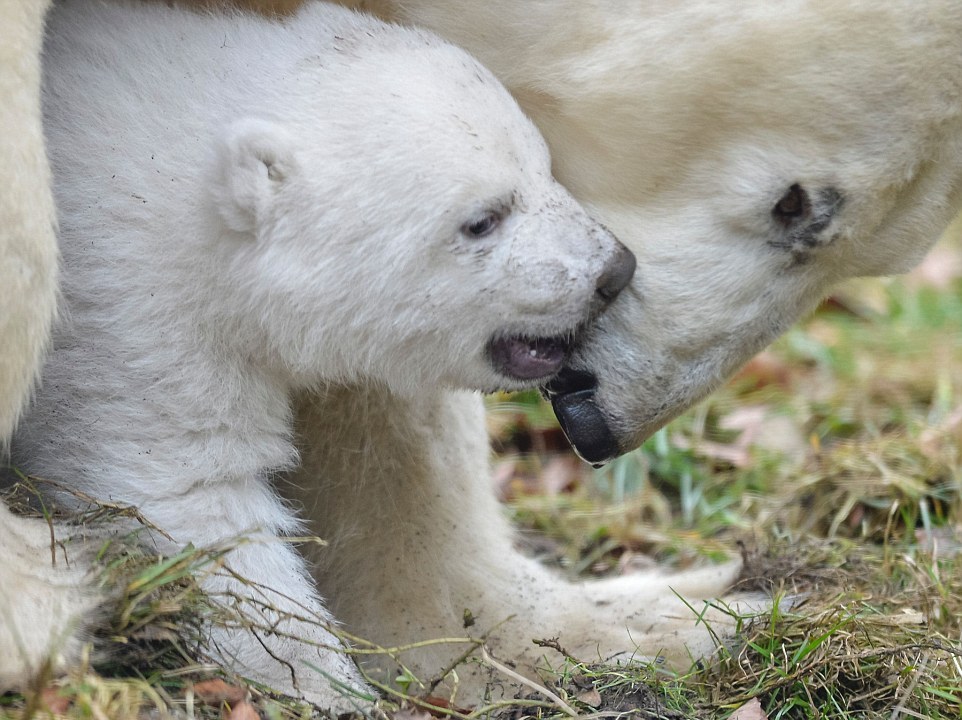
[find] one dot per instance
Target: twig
(518, 677)
(553, 644)
(436, 680)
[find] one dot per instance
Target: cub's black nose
(616, 274)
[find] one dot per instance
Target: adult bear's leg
(401, 490)
(28, 244)
(46, 599)
(40, 602)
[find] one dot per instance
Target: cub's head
(393, 217)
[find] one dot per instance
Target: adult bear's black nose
(572, 396)
(616, 273)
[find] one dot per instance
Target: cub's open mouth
(525, 358)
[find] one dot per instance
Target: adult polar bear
(686, 128)
(751, 154)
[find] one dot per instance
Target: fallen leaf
(243, 711)
(591, 698)
(441, 702)
(764, 370)
(758, 428)
(856, 517)
(217, 692)
(54, 701)
(752, 710)
(561, 473)
(736, 454)
(908, 616)
(548, 439)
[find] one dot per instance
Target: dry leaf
(243, 711)
(762, 428)
(502, 476)
(446, 704)
(561, 473)
(757, 427)
(752, 710)
(216, 692)
(590, 697)
(54, 701)
(908, 616)
(764, 370)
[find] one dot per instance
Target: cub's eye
(793, 206)
(483, 225)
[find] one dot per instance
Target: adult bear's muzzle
(572, 396)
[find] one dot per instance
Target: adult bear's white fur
(253, 212)
(39, 601)
(682, 125)
(28, 248)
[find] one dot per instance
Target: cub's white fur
(336, 211)
(682, 125)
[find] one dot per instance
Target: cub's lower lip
(524, 358)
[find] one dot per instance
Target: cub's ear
(256, 158)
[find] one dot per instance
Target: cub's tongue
(527, 358)
(572, 395)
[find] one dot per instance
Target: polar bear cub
(253, 209)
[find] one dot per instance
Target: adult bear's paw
(671, 619)
(47, 599)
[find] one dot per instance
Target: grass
(832, 463)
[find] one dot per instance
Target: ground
(832, 463)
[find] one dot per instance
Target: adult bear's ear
(256, 158)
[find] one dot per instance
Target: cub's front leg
(277, 630)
